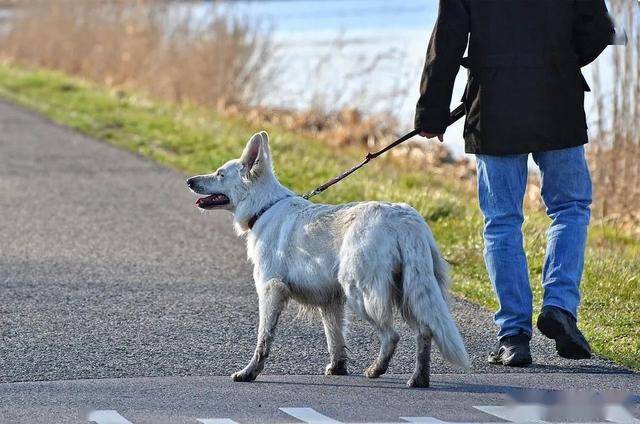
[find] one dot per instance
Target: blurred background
(345, 70)
(185, 82)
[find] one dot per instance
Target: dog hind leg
(333, 321)
(366, 272)
(420, 377)
(381, 316)
(272, 300)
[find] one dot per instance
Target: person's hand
(431, 135)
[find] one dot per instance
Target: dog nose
(190, 183)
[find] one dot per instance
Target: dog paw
(374, 371)
(336, 369)
(243, 376)
(418, 381)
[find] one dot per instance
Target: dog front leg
(272, 299)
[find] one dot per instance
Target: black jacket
(525, 91)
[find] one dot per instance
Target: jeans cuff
(564, 308)
(514, 332)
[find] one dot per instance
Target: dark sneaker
(560, 326)
(512, 351)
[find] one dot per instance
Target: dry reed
(162, 48)
(615, 151)
(171, 52)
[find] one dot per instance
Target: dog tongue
(204, 200)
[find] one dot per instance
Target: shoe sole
(567, 346)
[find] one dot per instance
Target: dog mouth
(212, 201)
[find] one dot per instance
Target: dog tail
(425, 289)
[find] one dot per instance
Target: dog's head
(232, 182)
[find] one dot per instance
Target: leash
(455, 115)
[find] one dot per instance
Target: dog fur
(376, 257)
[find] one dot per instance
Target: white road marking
(619, 414)
(107, 417)
(309, 416)
(525, 413)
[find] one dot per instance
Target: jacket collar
(254, 218)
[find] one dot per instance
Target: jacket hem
(474, 149)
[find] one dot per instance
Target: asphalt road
(452, 398)
(107, 271)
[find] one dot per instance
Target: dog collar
(254, 218)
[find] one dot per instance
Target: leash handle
(455, 114)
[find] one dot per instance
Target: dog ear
(265, 150)
(256, 156)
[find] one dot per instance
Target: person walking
(524, 95)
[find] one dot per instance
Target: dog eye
(219, 174)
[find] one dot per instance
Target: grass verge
(197, 140)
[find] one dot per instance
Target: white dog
(374, 256)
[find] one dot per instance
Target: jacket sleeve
(447, 45)
(593, 29)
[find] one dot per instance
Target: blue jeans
(566, 191)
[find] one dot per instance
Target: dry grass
(212, 60)
(172, 53)
(163, 49)
(338, 128)
(615, 151)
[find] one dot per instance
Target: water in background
(365, 54)
(336, 53)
